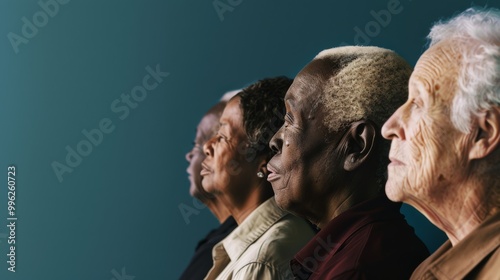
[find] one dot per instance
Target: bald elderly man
(445, 153)
(330, 166)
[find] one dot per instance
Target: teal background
(120, 207)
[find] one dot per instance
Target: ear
(488, 134)
(361, 141)
(262, 167)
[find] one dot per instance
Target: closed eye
(219, 137)
(414, 104)
(199, 148)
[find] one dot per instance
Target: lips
(395, 162)
(273, 174)
(205, 170)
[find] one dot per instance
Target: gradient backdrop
(64, 68)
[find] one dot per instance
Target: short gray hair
(366, 83)
(478, 83)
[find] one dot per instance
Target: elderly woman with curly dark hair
(267, 237)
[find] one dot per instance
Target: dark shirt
(372, 240)
(202, 260)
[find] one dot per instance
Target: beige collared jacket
(261, 247)
(477, 256)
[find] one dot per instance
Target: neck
(218, 209)
(240, 209)
(339, 203)
(460, 212)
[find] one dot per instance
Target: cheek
(293, 192)
(292, 153)
(229, 163)
(423, 149)
(302, 165)
(434, 157)
(220, 162)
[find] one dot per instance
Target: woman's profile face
(225, 168)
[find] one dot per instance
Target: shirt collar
(252, 228)
(223, 230)
(458, 261)
(330, 238)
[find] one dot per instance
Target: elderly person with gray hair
(201, 262)
(330, 166)
(445, 153)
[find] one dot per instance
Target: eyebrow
(421, 87)
(418, 86)
(227, 133)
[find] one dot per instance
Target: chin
(193, 191)
(281, 200)
(206, 184)
(392, 190)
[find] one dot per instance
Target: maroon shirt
(372, 240)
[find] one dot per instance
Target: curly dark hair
(263, 109)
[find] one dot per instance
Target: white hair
(228, 95)
(478, 84)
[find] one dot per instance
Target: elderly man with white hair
(330, 166)
(445, 153)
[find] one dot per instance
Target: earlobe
(488, 135)
(361, 140)
(263, 167)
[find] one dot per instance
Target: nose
(276, 142)
(393, 127)
(208, 147)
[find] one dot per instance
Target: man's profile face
(304, 168)
(428, 154)
(205, 130)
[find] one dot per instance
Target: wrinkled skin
(429, 156)
(225, 169)
(205, 130)
(308, 166)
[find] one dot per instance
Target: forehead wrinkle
(440, 67)
(309, 85)
(425, 73)
(305, 82)
(314, 106)
(223, 126)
